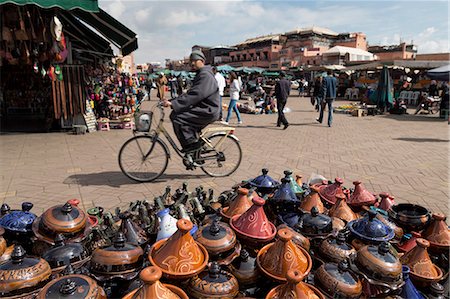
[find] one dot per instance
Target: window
(314, 62)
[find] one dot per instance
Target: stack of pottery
(264, 184)
(438, 234)
(18, 225)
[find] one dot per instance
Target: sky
(168, 29)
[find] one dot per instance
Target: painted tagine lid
(238, 206)
(422, 268)
(312, 200)
(297, 237)
(179, 257)
(264, 181)
(386, 201)
(438, 233)
(213, 283)
(336, 250)
(314, 224)
(284, 195)
(72, 286)
(329, 192)
(153, 288)
(275, 259)
(121, 259)
(253, 224)
(217, 237)
(61, 254)
(22, 275)
(341, 210)
(295, 288)
(133, 233)
(17, 221)
(371, 229)
(295, 186)
(361, 196)
(337, 280)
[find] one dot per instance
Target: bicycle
(145, 156)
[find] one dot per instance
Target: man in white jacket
(221, 83)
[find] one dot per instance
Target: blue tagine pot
(264, 183)
(409, 291)
(18, 225)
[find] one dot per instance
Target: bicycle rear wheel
(224, 158)
(143, 158)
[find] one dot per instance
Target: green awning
(87, 5)
(117, 33)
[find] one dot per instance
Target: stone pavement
(405, 155)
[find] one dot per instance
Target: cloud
(115, 8)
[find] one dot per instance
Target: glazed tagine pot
(252, 227)
(337, 281)
(409, 290)
(264, 183)
(423, 271)
(70, 221)
(312, 200)
(23, 276)
(314, 225)
(295, 288)
(328, 192)
(295, 184)
(167, 224)
(213, 283)
(238, 206)
(153, 288)
(245, 270)
(62, 254)
(121, 260)
(284, 199)
(370, 230)
(74, 286)
(410, 217)
(438, 234)
(133, 233)
(220, 241)
(275, 259)
(341, 210)
(336, 250)
(378, 265)
(179, 257)
(18, 224)
(297, 237)
(361, 196)
(383, 217)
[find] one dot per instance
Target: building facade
(401, 51)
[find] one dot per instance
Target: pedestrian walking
(180, 84)
(161, 83)
(173, 84)
(235, 88)
(282, 90)
(318, 93)
(329, 85)
(221, 83)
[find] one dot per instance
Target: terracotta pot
(423, 271)
(410, 217)
(438, 233)
(253, 226)
(295, 288)
(72, 286)
(275, 259)
(338, 224)
(153, 288)
(297, 238)
(361, 197)
(213, 283)
(179, 257)
(336, 250)
(341, 210)
(238, 206)
(329, 192)
(2, 241)
(336, 280)
(312, 200)
(386, 202)
(244, 268)
(23, 276)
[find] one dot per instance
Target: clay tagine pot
(314, 224)
(336, 250)
(18, 224)
(423, 271)
(370, 230)
(284, 199)
(410, 217)
(275, 259)
(22, 276)
(219, 240)
(245, 270)
(179, 257)
(295, 288)
(153, 288)
(438, 234)
(253, 227)
(264, 183)
(213, 283)
(295, 186)
(329, 192)
(361, 197)
(61, 254)
(297, 238)
(238, 206)
(341, 210)
(2, 241)
(312, 200)
(133, 233)
(386, 202)
(337, 281)
(120, 260)
(72, 286)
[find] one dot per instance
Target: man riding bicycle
(197, 108)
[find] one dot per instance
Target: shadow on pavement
(412, 117)
(421, 139)
(117, 179)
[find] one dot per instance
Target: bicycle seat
(214, 129)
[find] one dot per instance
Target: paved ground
(405, 155)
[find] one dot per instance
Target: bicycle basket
(143, 121)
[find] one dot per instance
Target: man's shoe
(224, 123)
(240, 122)
(318, 120)
(286, 126)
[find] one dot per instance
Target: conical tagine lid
(418, 260)
(361, 197)
(438, 233)
(312, 200)
(239, 205)
(295, 288)
(341, 210)
(329, 192)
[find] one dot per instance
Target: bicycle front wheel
(143, 158)
(223, 158)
